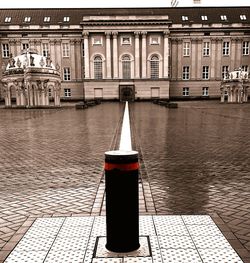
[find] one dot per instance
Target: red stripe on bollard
(121, 167)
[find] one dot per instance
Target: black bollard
(122, 200)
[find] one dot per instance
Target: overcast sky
(113, 3)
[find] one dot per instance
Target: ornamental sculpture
(234, 86)
(28, 81)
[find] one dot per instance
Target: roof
(76, 14)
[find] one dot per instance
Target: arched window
(98, 67)
(126, 67)
(154, 67)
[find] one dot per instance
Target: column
(144, 54)
(180, 55)
(218, 59)
(52, 52)
(72, 59)
(108, 55)
(233, 54)
(137, 55)
(213, 58)
(78, 60)
(18, 46)
(58, 52)
(193, 58)
(198, 68)
(166, 55)
(86, 54)
(115, 55)
(174, 61)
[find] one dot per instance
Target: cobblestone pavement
(194, 159)
(197, 160)
(51, 161)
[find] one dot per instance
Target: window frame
(27, 19)
(186, 72)
(65, 50)
(243, 17)
(67, 92)
(184, 18)
(123, 43)
(46, 19)
(45, 51)
(25, 46)
(245, 48)
(98, 67)
(186, 49)
(185, 92)
(205, 72)
(206, 49)
(205, 91)
(5, 50)
(66, 18)
(226, 48)
(66, 74)
(154, 67)
(7, 19)
(223, 18)
(204, 18)
(224, 70)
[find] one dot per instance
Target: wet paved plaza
(196, 161)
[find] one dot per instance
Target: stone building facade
(135, 53)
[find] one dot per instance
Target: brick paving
(197, 161)
(45, 154)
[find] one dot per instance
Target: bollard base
(119, 250)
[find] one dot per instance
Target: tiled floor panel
(172, 239)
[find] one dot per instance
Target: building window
(223, 17)
(5, 50)
(67, 92)
(46, 19)
(184, 18)
(154, 67)
(66, 19)
(45, 47)
(204, 18)
(97, 40)
(154, 40)
(25, 46)
(65, 49)
(66, 74)
(7, 19)
(205, 72)
(126, 67)
(186, 49)
(225, 50)
(243, 17)
(83, 50)
(244, 68)
(50, 92)
(98, 67)
(245, 48)
(27, 19)
(205, 91)
(185, 72)
(225, 71)
(185, 91)
(206, 49)
(126, 40)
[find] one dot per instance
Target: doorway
(127, 92)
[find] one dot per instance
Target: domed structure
(30, 79)
(234, 86)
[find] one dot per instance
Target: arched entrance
(127, 92)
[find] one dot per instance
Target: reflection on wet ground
(197, 158)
